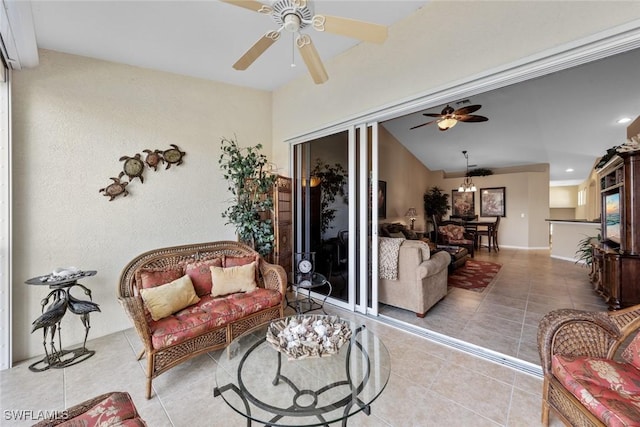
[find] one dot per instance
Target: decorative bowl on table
(300, 337)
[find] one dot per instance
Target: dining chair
(492, 235)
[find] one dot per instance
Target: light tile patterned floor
(430, 384)
(505, 316)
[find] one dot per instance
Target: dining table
(489, 226)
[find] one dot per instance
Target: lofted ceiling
(567, 119)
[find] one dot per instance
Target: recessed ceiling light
(623, 120)
(569, 170)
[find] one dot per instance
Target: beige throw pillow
(164, 300)
(229, 280)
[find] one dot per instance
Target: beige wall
(73, 118)
(524, 225)
(563, 196)
(407, 180)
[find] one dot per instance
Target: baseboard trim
(475, 350)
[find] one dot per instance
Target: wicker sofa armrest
(571, 332)
(134, 307)
(274, 277)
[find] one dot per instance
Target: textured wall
(73, 118)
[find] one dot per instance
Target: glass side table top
(263, 385)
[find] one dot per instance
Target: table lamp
(411, 214)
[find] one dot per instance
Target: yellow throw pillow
(164, 300)
(241, 278)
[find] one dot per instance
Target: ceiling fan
(449, 117)
(295, 15)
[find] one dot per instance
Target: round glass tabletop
(265, 386)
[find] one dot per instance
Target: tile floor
(505, 316)
(430, 385)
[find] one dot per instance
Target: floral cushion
(608, 389)
(133, 422)
(201, 275)
(152, 277)
(208, 314)
(632, 353)
(452, 231)
(112, 411)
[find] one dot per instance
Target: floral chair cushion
(201, 275)
(115, 410)
(208, 314)
(632, 353)
(609, 389)
(452, 231)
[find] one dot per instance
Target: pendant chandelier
(467, 185)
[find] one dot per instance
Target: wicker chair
(122, 398)
(579, 333)
(160, 360)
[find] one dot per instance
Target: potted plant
(584, 252)
(332, 181)
(251, 186)
(436, 203)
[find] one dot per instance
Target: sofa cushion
(608, 389)
(632, 353)
(208, 314)
(112, 411)
(164, 300)
(151, 277)
(201, 274)
(241, 278)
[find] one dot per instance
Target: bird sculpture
(50, 321)
(83, 309)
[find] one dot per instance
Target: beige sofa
(422, 279)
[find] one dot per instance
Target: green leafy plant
(436, 202)
(480, 172)
(332, 181)
(584, 252)
(251, 186)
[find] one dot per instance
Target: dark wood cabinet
(616, 260)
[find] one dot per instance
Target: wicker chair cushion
(229, 280)
(632, 353)
(208, 314)
(452, 231)
(608, 389)
(201, 275)
(116, 408)
(151, 277)
(133, 422)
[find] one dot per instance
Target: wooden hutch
(616, 259)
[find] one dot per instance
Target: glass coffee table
(268, 388)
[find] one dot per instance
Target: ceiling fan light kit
(293, 16)
(449, 117)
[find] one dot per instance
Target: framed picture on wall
(463, 204)
(493, 201)
(382, 199)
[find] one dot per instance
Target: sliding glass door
(334, 178)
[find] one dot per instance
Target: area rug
(474, 275)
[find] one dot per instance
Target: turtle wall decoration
(134, 167)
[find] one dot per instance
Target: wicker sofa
(421, 278)
(211, 323)
(591, 366)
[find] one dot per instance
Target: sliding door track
(475, 350)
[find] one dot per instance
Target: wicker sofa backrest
(178, 256)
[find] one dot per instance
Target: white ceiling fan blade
(256, 6)
(256, 50)
(312, 59)
(350, 28)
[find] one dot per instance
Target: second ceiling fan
(295, 15)
(449, 117)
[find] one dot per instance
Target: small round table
(57, 302)
(317, 281)
(260, 383)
